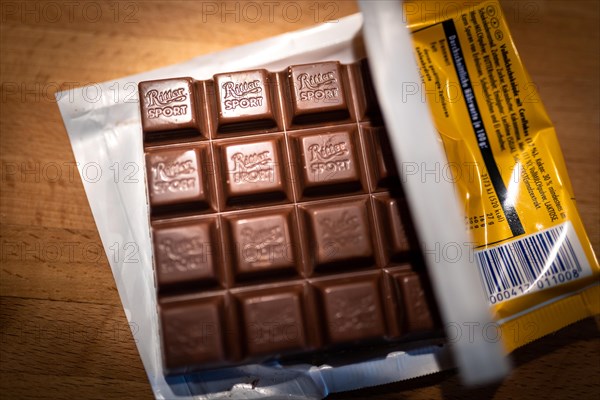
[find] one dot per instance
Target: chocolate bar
(278, 223)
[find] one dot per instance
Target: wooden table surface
(63, 330)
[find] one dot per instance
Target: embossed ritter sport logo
(329, 157)
(160, 103)
(175, 176)
(343, 230)
(316, 87)
(252, 167)
(238, 94)
(353, 314)
(184, 254)
(263, 246)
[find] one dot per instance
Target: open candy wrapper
(522, 249)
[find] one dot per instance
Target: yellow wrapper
(536, 262)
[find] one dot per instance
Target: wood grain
(63, 333)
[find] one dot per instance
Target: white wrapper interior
(435, 208)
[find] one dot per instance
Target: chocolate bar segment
(169, 108)
(176, 178)
(352, 309)
(397, 238)
(273, 320)
(417, 315)
(192, 333)
(327, 161)
(364, 97)
(186, 254)
(318, 92)
(252, 170)
(264, 243)
(244, 100)
(379, 151)
(341, 234)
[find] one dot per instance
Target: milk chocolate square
(244, 100)
(416, 315)
(273, 322)
(192, 333)
(264, 243)
(352, 310)
(327, 161)
(169, 107)
(186, 253)
(175, 178)
(396, 235)
(317, 91)
(379, 152)
(341, 233)
(252, 170)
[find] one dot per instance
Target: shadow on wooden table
(540, 363)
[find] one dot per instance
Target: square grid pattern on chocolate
(277, 217)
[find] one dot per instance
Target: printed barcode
(536, 262)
